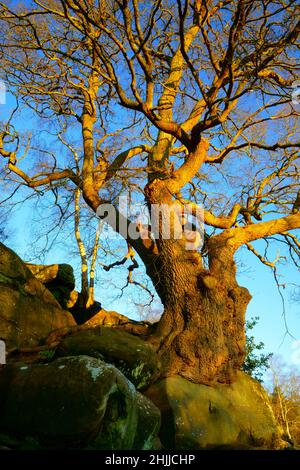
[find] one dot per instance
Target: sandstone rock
(134, 357)
(224, 416)
(111, 318)
(148, 424)
(28, 311)
(58, 278)
(73, 402)
(107, 318)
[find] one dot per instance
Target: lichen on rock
(135, 358)
(195, 416)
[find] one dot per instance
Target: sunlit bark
(200, 83)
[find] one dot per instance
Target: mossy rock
(58, 278)
(236, 416)
(28, 311)
(149, 421)
(134, 357)
(73, 402)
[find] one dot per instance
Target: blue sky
(266, 302)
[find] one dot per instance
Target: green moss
(135, 358)
(68, 403)
(8, 441)
(30, 443)
(47, 354)
(223, 416)
(13, 282)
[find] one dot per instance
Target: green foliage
(47, 354)
(255, 364)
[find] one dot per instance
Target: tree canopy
(186, 102)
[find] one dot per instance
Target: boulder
(28, 311)
(58, 278)
(134, 357)
(107, 318)
(236, 416)
(73, 402)
(149, 421)
(111, 318)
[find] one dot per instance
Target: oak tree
(196, 96)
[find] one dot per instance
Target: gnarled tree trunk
(201, 335)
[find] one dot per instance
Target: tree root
(108, 319)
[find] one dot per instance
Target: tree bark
(201, 335)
